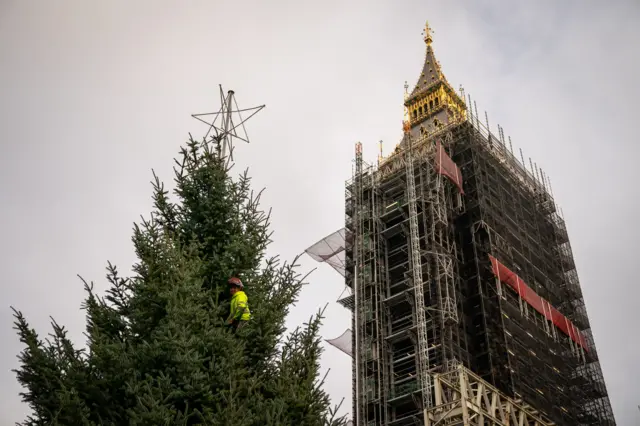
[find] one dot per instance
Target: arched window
(431, 104)
(437, 102)
(420, 110)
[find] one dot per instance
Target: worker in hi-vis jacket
(239, 312)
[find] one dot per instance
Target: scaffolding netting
(536, 302)
(343, 342)
(331, 249)
(447, 167)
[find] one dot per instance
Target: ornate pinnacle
(427, 34)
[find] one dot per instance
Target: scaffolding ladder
(359, 354)
(378, 272)
(416, 263)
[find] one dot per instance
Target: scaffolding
(358, 282)
(532, 333)
(400, 261)
(523, 330)
(416, 265)
(464, 399)
(365, 273)
(459, 261)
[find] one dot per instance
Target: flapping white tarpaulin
(331, 250)
(343, 342)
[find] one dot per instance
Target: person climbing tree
(239, 312)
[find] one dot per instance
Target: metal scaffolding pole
(423, 344)
(358, 283)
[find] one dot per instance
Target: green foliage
(157, 349)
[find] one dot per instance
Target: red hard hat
(235, 281)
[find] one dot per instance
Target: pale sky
(95, 94)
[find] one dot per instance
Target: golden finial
(406, 117)
(427, 33)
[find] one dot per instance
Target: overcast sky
(94, 95)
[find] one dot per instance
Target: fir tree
(157, 350)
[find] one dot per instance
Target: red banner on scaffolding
(538, 303)
(447, 167)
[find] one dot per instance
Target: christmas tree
(158, 351)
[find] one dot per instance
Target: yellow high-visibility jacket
(239, 307)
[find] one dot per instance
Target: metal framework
(470, 315)
(457, 256)
(464, 399)
(416, 264)
(370, 377)
(358, 279)
(511, 215)
(406, 290)
(224, 124)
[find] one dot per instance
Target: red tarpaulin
(447, 167)
(538, 303)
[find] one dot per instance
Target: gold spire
(427, 34)
(432, 102)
